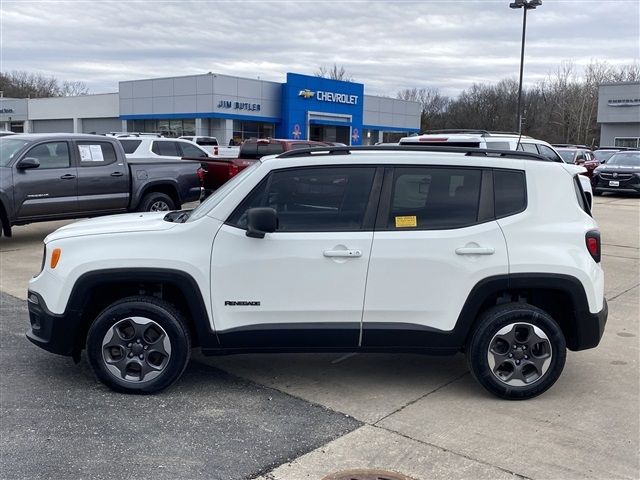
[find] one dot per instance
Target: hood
(619, 168)
(128, 222)
(573, 169)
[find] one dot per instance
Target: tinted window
(529, 147)
(269, 149)
(312, 199)
(567, 155)
(96, 153)
(191, 151)
(510, 192)
(629, 159)
(549, 153)
(166, 149)
(208, 141)
(434, 198)
(499, 145)
(130, 146)
(51, 155)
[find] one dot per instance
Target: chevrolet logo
(306, 93)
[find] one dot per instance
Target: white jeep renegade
(374, 249)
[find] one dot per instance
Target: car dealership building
(619, 114)
(304, 107)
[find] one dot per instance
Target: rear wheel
(157, 202)
(139, 345)
(517, 351)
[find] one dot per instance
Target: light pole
(525, 5)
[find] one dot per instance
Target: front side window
(191, 151)
(312, 199)
(434, 198)
(166, 149)
(549, 153)
(51, 155)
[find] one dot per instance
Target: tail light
(216, 151)
(594, 247)
(201, 174)
(233, 170)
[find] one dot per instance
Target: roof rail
(457, 130)
(468, 151)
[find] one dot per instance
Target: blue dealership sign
(314, 100)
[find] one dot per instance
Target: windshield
(567, 155)
(626, 159)
(603, 155)
(215, 198)
(8, 149)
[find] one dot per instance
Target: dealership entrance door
(330, 133)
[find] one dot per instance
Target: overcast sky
(387, 45)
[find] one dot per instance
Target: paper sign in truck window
(406, 221)
(91, 153)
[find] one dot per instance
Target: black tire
(155, 371)
(541, 371)
(156, 202)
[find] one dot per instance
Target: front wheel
(157, 202)
(517, 351)
(139, 345)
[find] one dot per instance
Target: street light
(525, 5)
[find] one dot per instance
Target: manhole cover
(366, 475)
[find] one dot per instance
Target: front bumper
(590, 328)
(54, 333)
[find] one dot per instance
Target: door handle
(117, 174)
(475, 251)
(342, 253)
(67, 176)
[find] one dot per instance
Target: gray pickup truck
(58, 176)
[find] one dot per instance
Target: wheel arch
(167, 187)
(95, 290)
(561, 296)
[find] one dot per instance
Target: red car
(215, 172)
(579, 156)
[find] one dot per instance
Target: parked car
(579, 156)
(5, 133)
(602, 154)
(213, 175)
(210, 144)
(160, 147)
(56, 176)
(390, 249)
(493, 140)
(621, 173)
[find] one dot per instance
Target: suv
(579, 156)
(169, 148)
(367, 249)
(621, 173)
(493, 140)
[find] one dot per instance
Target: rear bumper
(54, 333)
(590, 328)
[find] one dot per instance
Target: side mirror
(27, 163)
(260, 221)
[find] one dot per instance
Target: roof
(57, 136)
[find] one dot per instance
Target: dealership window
(627, 142)
(243, 130)
(393, 137)
(370, 137)
(166, 127)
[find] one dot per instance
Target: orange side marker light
(55, 257)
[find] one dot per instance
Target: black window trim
(486, 200)
(73, 161)
(371, 210)
(526, 192)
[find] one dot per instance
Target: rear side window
(130, 146)
(434, 198)
(498, 145)
(93, 154)
(510, 192)
(549, 153)
(580, 195)
(528, 147)
(166, 149)
(191, 151)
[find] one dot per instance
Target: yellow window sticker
(407, 221)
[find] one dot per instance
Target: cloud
(387, 45)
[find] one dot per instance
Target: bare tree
(334, 72)
(21, 84)
(433, 104)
